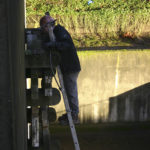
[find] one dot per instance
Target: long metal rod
(71, 124)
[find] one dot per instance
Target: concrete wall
(12, 76)
(133, 105)
(109, 81)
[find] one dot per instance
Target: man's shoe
(63, 120)
(63, 117)
(75, 119)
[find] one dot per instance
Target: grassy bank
(102, 22)
(127, 136)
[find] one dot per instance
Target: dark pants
(70, 83)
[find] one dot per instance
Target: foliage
(100, 20)
(63, 7)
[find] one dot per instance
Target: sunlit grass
(95, 52)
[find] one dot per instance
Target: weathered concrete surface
(133, 105)
(106, 74)
(12, 83)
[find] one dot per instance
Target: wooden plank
(51, 114)
(43, 100)
(35, 127)
(45, 126)
(48, 85)
(34, 85)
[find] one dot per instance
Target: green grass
(95, 52)
(101, 127)
(95, 41)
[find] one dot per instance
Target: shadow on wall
(133, 105)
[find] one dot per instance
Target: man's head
(47, 22)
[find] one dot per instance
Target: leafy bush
(102, 19)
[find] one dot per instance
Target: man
(57, 37)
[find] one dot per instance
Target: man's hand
(49, 45)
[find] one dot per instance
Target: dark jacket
(64, 44)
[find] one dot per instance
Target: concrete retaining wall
(113, 86)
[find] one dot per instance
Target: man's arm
(62, 45)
